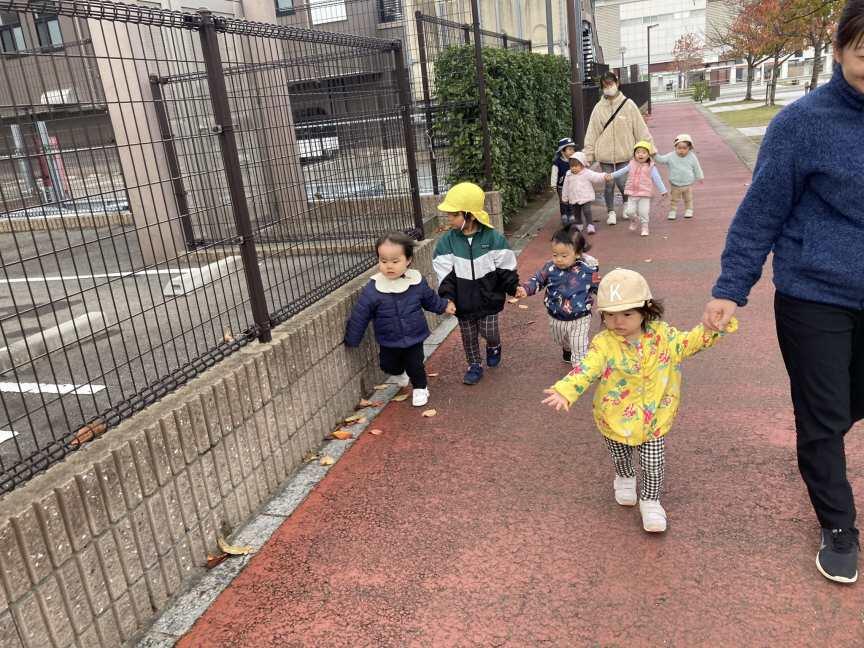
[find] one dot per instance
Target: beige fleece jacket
(615, 144)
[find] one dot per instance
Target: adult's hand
(717, 314)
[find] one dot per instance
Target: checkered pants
(571, 335)
(472, 330)
(652, 459)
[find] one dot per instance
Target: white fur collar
(410, 278)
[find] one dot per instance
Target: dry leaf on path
(400, 397)
(212, 561)
(523, 306)
(327, 460)
(384, 386)
(342, 435)
(648, 260)
(434, 374)
(354, 418)
(429, 413)
(531, 322)
(367, 403)
(232, 550)
(376, 432)
(310, 456)
(513, 300)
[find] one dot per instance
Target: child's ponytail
(570, 235)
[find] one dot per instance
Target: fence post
(504, 40)
(466, 29)
(427, 99)
(410, 144)
(224, 128)
(173, 161)
(481, 91)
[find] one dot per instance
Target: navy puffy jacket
(397, 317)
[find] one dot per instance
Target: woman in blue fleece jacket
(806, 204)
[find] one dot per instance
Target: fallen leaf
(310, 456)
(647, 260)
(376, 432)
(384, 386)
(342, 435)
(227, 336)
(429, 413)
(327, 460)
(212, 561)
(232, 550)
(513, 300)
(368, 403)
(523, 306)
(434, 374)
(400, 397)
(88, 433)
(355, 418)
(532, 321)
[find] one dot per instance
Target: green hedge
(529, 111)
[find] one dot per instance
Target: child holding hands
(578, 193)
(636, 359)
(684, 171)
(641, 174)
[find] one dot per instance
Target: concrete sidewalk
(494, 524)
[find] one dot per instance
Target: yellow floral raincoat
(640, 383)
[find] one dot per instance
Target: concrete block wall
(94, 547)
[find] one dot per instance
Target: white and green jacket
(475, 272)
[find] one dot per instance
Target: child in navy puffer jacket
(394, 300)
(571, 279)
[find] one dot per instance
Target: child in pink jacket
(578, 193)
(642, 177)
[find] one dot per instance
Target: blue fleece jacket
(805, 204)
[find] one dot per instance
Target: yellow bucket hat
(644, 144)
(467, 197)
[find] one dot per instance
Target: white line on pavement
(49, 388)
(5, 435)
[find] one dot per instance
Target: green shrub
(529, 111)
(701, 91)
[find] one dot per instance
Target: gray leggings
(609, 194)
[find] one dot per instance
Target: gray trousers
(609, 194)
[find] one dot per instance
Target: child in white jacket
(578, 193)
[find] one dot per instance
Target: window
(284, 7)
(48, 30)
(11, 34)
(327, 11)
(389, 11)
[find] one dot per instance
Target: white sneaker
(625, 491)
(653, 516)
(645, 231)
(688, 213)
(613, 218)
(673, 215)
(402, 379)
(419, 397)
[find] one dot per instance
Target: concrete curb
(740, 144)
(189, 606)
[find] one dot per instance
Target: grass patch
(755, 102)
(747, 118)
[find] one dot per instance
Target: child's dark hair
(569, 235)
(397, 238)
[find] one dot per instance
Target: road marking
(107, 275)
(49, 388)
(5, 435)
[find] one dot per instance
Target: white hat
(580, 157)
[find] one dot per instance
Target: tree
(740, 40)
(687, 54)
(817, 20)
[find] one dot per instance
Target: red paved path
(494, 523)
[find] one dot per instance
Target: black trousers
(823, 349)
(395, 361)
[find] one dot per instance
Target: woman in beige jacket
(616, 125)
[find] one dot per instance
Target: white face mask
(611, 91)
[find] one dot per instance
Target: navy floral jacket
(569, 293)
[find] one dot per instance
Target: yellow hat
(644, 144)
(466, 197)
(622, 290)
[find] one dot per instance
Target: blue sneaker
(493, 356)
(473, 375)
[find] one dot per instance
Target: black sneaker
(567, 356)
(837, 559)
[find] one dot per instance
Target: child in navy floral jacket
(570, 279)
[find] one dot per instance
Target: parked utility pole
(650, 27)
(481, 91)
(550, 36)
(575, 41)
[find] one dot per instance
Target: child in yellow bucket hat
(476, 270)
(636, 361)
(642, 176)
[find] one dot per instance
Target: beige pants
(681, 193)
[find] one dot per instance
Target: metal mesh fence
(167, 194)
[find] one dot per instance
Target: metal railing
(207, 179)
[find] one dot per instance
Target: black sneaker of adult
(837, 559)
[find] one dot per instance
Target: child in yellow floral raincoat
(637, 361)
